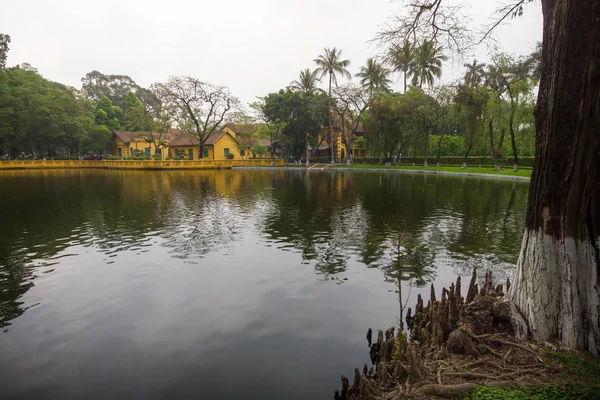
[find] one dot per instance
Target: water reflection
(329, 218)
(160, 264)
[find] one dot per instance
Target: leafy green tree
(472, 103)
(258, 150)
(393, 125)
(4, 41)
(105, 113)
(40, 117)
(299, 117)
(402, 57)
(374, 76)
(307, 81)
(331, 63)
(135, 119)
(266, 108)
(474, 74)
(427, 65)
(97, 140)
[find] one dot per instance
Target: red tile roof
(242, 129)
(189, 140)
(128, 137)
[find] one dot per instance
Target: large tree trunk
(426, 147)
(439, 152)
(512, 139)
(557, 282)
(492, 147)
(467, 154)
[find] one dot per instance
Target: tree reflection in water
(334, 220)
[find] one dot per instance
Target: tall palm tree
(330, 62)
(475, 73)
(427, 66)
(401, 57)
(307, 81)
(374, 76)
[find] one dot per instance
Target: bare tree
(442, 22)
(200, 107)
(350, 103)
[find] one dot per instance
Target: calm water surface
(225, 284)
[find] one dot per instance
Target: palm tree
(374, 76)
(402, 58)
(307, 81)
(427, 64)
(330, 62)
(475, 73)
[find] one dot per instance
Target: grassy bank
(578, 377)
(455, 169)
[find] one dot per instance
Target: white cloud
(254, 47)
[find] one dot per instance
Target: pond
(226, 284)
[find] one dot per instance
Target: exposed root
(453, 391)
(453, 346)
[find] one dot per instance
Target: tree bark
(512, 139)
(426, 147)
(439, 149)
(557, 282)
(467, 154)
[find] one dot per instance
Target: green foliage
(258, 149)
(374, 76)
(134, 118)
(546, 392)
(40, 117)
(395, 122)
(4, 41)
(98, 140)
(300, 115)
(583, 365)
(307, 82)
(105, 113)
(426, 66)
(361, 143)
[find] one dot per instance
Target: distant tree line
(488, 113)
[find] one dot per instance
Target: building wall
(216, 152)
(226, 142)
(142, 145)
(119, 144)
(230, 131)
(185, 150)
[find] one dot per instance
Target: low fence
(487, 161)
(132, 164)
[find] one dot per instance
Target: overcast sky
(252, 46)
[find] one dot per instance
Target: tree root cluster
(454, 345)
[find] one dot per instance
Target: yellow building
(219, 146)
(242, 130)
(142, 144)
(247, 135)
(324, 149)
